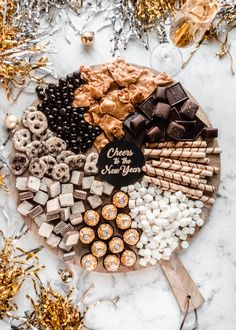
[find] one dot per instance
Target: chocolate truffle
(109, 212)
(175, 131)
(105, 231)
(128, 258)
(86, 235)
(89, 262)
(116, 245)
(91, 217)
(160, 93)
(99, 249)
(123, 221)
(189, 109)
(138, 124)
(112, 263)
(162, 111)
(131, 236)
(120, 199)
(209, 133)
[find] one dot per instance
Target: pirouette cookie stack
(82, 203)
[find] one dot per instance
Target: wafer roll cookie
(156, 153)
(177, 177)
(174, 187)
(196, 160)
(174, 181)
(212, 169)
(186, 144)
(180, 168)
(206, 150)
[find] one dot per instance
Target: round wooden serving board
(81, 249)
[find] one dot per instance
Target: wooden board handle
(181, 283)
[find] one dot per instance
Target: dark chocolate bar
(162, 110)
(189, 109)
(189, 126)
(176, 94)
(148, 107)
(175, 130)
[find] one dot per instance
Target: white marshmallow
(142, 191)
(137, 186)
(183, 237)
(148, 198)
(131, 204)
(130, 188)
(142, 262)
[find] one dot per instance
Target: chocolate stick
(156, 153)
(194, 166)
(206, 150)
(186, 144)
(180, 178)
(172, 187)
(180, 168)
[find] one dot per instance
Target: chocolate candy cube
(148, 107)
(209, 133)
(176, 94)
(138, 124)
(138, 140)
(175, 130)
(174, 115)
(162, 110)
(127, 121)
(189, 126)
(154, 134)
(160, 94)
(199, 127)
(189, 109)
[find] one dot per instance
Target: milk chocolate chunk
(176, 94)
(138, 124)
(209, 133)
(189, 126)
(162, 110)
(189, 109)
(175, 130)
(148, 107)
(154, 134)
(160, 94)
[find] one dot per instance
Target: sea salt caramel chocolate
(138, 124)
(189, 109)
(154, 134)
(209, 133)
(162, 111)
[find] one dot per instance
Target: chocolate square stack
(168, 114)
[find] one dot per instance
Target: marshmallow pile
(166, 220)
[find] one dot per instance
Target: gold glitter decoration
(149, 11)
(3, 184)
(52, 311)
(14, 269)
(16, 64)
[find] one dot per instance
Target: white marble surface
(146, 301)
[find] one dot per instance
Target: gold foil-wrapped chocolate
(128, 258)
(99, 249)
(123, 221)
(111, 263)
(89, 262)
(120, 199)
(86, 235)
(109, 212)
(91, 217)
(105, 231)
(131, 236)
(116, 245)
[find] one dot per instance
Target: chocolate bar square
(189, 109)
(189, 126)
(162, 110)
(160, 94)
(138, 140)
(175, 130)
(176, 94)
(209, 133)
(199, 127)
(148, 107)
(138, 124)
(174, 115)
(155, 134)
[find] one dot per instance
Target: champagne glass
(188, 27)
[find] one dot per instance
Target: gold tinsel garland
(14, 269)
(16, 50)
